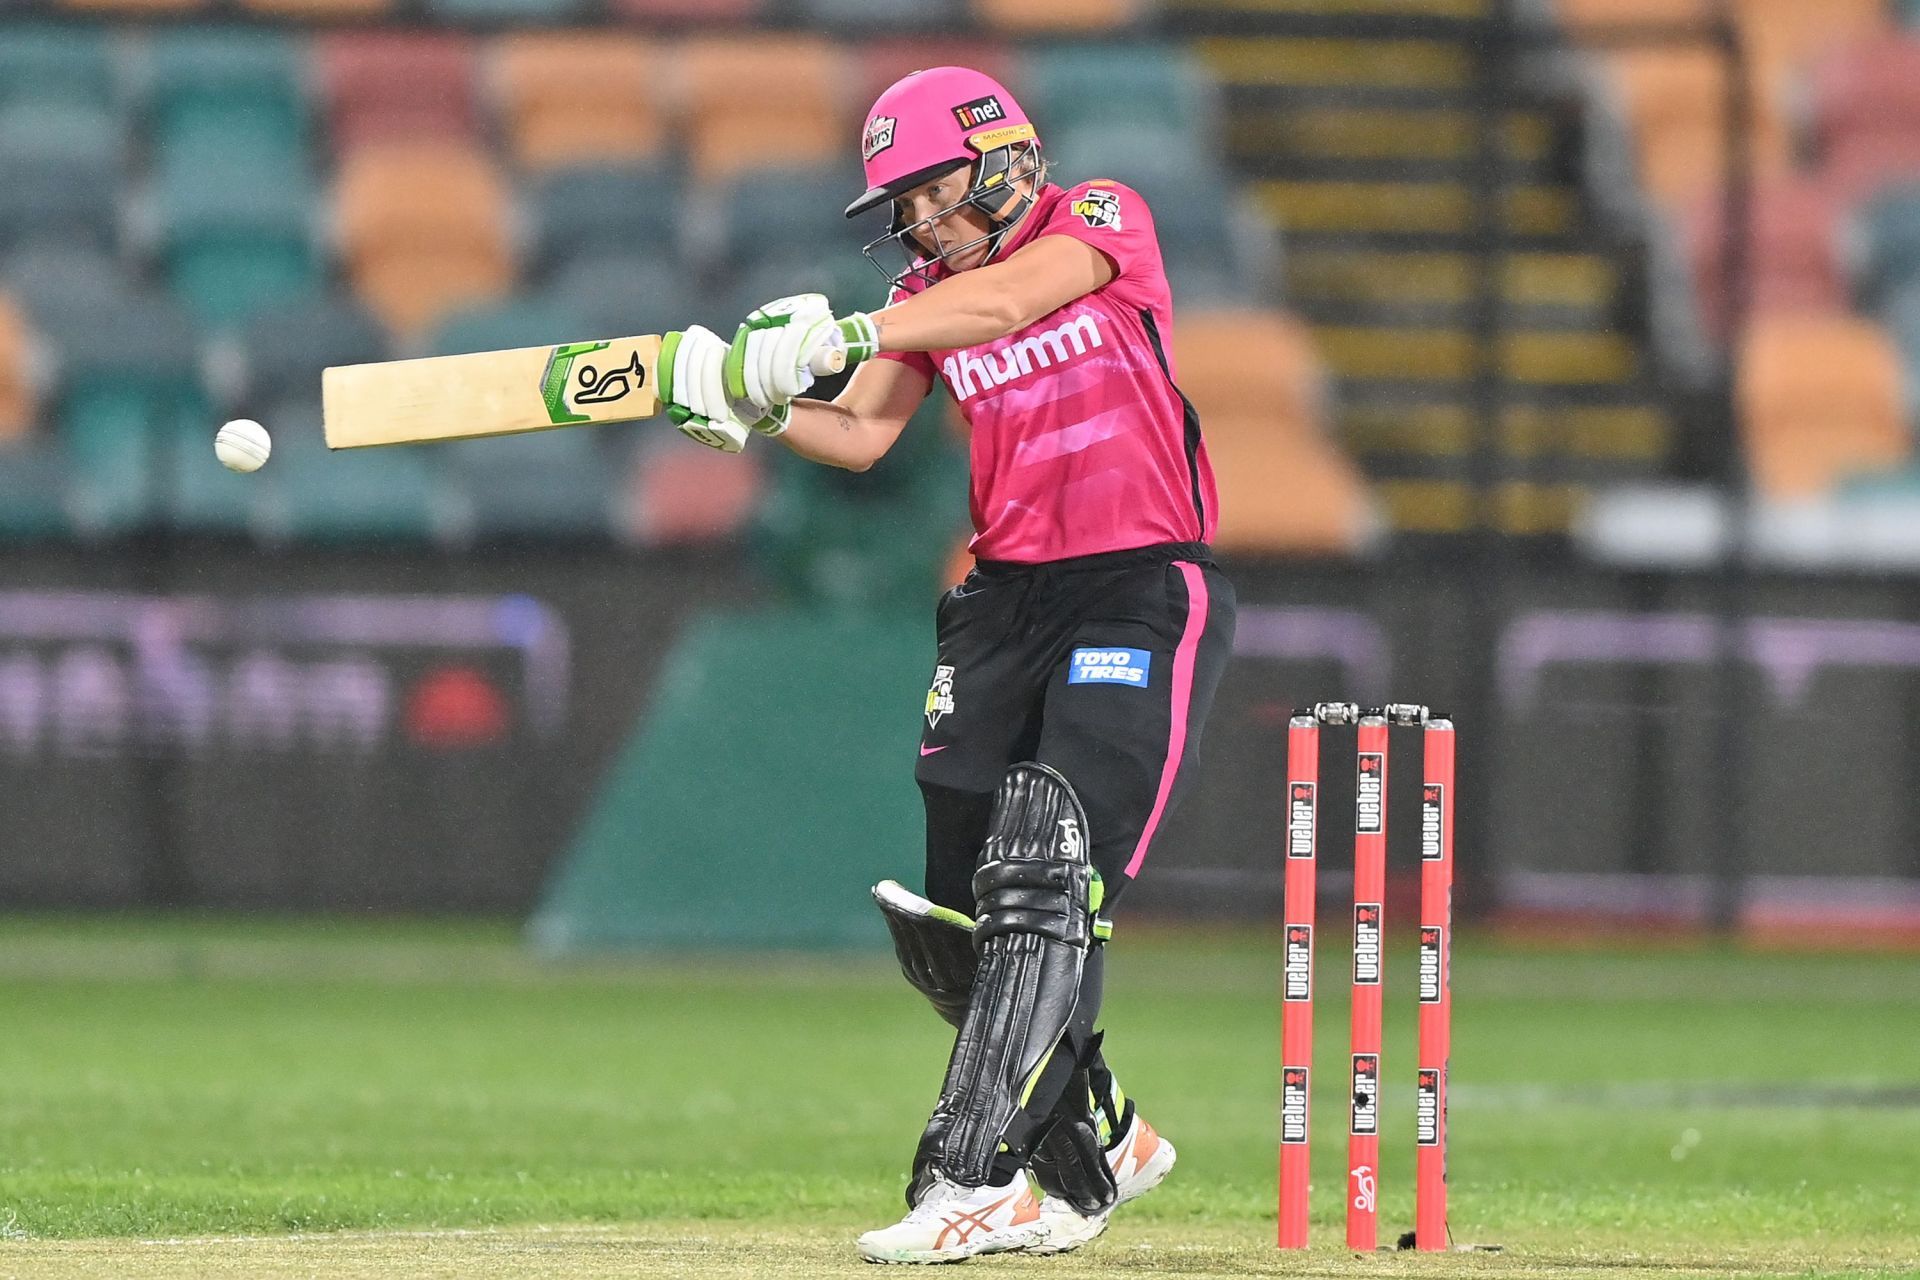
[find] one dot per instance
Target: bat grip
(828, 361)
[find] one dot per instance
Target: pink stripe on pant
(1182, 696)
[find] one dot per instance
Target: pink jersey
(1081, 441)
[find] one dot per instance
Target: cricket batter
(1076, 663)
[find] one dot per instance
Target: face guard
(994, 192)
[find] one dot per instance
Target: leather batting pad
(934, 947)
(1033, 924)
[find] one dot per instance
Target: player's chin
(966, 259)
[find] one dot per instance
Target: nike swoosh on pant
(927, 751)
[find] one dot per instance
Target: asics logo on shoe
(962, 1226)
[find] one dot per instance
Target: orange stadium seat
(762, 102)
(1785, 37)
(16, 373)
(1248, 363)
(1025, 17)
(382, 86)
(1580, 15)
(1821, 398)
(1794, 252)
(1675, 101)
(424, 229)
(585, 99)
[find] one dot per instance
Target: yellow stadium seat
(1820, 398)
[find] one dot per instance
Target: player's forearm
(835, 435)
(961, 311)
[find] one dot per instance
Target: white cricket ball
(242, 445)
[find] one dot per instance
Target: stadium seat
(1058, 17)
(1820, 398)
(18, 398)
(229, 247)
(754, 102)
(783, 212)
(202, 498)
(1284, 492)
(1249, 362)
(424, 229)
(1889, 240)
(578, 100)
(61, 161)
(137, 8)
(62, 288)
(582, 212)
(1137, 86)
(319, 10)
(548, 482)
(1861, 166)
(284, 349)
(1674, 104)
(616, 295)
(1868, 89)
(517, 12)
(845, 278)
(236, 81)
(358, 495)
(1793, 252)
(50, 63)
(516, 322)
(396, 87)
(882, 61)
(680, 493)
(1584, 17)
(33, 489)
(706, 12)
(861, 17)
(1783, 37)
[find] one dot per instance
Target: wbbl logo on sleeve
(1366, 944)
(1297, 981)
(1364, 1119)
(1426, 1110)
(1432, 958)
(1369, 808)
(1293, 1105)
(1302, 813)
(1098, 209)
(940, 695)
(1433, 817)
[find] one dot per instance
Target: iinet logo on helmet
(970, 374)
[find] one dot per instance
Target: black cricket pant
(1102, 667)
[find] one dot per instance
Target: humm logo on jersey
(969, 374)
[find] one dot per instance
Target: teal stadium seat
(552, 482)
(284, 348)
(867, 17)
(33, 490)
(782, 213)
(1890, 243)
(517, 12)
(1151, 87)
(361, 495)
(55, 63)
(849, 283)
(60, 161)
(1901, 315)
(583, 212)
(200, 495)
(230, 80)
(233, 242)
(616, 295)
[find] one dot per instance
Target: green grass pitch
(234, 1098)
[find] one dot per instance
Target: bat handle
(828, 361)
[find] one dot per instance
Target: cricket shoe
(952, 1223)
(1140, 1162)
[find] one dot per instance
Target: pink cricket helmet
(930, 121)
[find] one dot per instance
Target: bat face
(490, 393)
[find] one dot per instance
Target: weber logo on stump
(1293, 1104)
(1366, 944)
(1432, 949)
(1433, 817)
(1297, 983)
(1426, 1118)
(1369, 798)
(1302, 813)
(1364, 1116)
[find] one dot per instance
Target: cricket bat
(497, 393)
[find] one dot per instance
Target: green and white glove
(782, 347)
(694, 390)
